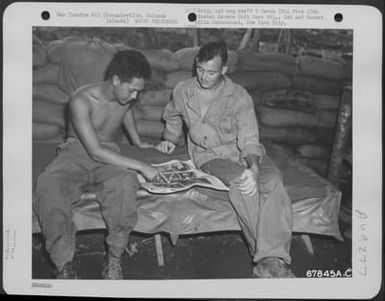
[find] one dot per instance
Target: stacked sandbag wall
(48, 99)
(296, 100)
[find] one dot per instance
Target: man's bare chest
(108, 116)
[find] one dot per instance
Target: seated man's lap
(227, 170)
(224, 169)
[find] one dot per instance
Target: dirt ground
(210, 256)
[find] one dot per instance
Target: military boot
(67, 271)
(112, 268)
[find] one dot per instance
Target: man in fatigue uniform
(223, 140)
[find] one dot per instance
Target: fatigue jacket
(229, 129)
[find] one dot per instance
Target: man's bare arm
(130, 125)
(81, 121)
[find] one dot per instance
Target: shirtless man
(90, 155)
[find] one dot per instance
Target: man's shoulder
(85, 94)
(238, 93)
(185, 85)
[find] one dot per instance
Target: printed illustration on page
(176, 175)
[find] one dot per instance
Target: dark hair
(128, 64)
(211, 50)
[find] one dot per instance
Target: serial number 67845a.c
(328, 273)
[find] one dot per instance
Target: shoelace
(67, 272)
(284, 267)
(277, 267)
(113, 270)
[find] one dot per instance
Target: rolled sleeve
(247, 129)
(173, 117)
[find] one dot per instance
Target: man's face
(209, 73)
(126, 92)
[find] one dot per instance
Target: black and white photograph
(296, 112)
(270, 110)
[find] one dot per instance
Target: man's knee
(55, 191)
(119, 192)
(48, 188)
(132, 180)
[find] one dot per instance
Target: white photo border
(19, 18)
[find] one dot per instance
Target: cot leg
(159, 249)
(307, 241)
(174, 238)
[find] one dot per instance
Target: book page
(176, 175)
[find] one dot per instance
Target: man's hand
(165, 147)
(149, 172)
(248, 181)
(145, 145)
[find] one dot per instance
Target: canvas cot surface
(315, 201)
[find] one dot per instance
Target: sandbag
(173, 78)
(288, 99)
(318, 165)
(284, 155)
(283, 118)
(256, 95)
(327, 119)
(261, 80)
(186, 58)
(147, 128)
(232, 61)
(320, 67)
(39, 53)
(267, 62)
(162, 59)
(299, 100)
(313, 151)
(291, 136)
(43, 131)
(325, 136)
(327, 102)
(83, 62)
(157, 79)
(55, 50)
(122, 46)
(155, 97)
(317, 85)
(138, 113)
(55, 140)
(49, 113)
(50, 93)
(272, 116)
(153, 113)
(47, 74)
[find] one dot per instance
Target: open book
(177, 175)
